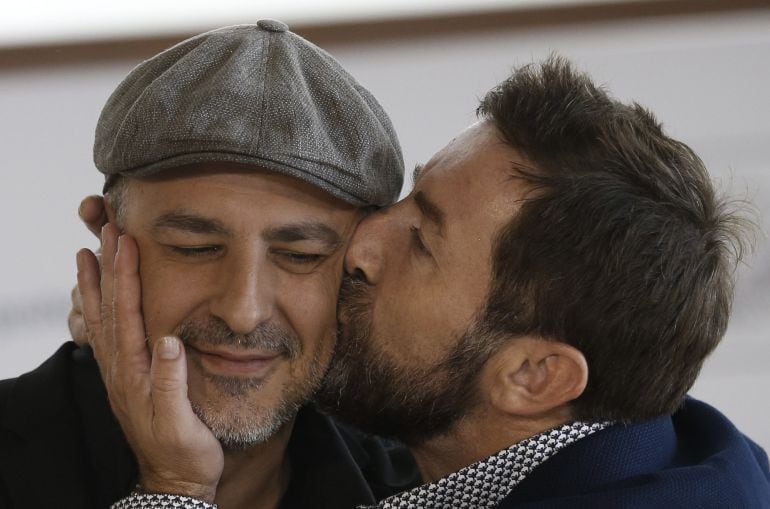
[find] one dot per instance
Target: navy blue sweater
(695, 459)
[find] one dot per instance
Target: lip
(236, 363)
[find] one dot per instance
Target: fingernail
(168, 348)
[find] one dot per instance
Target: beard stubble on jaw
(368, 388)
(250, 423)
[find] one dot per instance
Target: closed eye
(297, 262)
(418, 242)
(196, 251)
(302, 258)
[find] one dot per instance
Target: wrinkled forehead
(474, 142)
(231, 193)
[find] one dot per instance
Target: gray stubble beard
(252, 424)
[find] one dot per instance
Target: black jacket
(61, 447)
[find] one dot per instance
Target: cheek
(309, 303)
(421, 314)
(410, 321)
(170, 293)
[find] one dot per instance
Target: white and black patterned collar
(484, 484)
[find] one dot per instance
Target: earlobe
(533, 376)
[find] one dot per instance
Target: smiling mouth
(235, 363)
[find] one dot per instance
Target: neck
(475, 437)
(256, 478)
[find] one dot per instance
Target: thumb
(181, 455)
(168, 381)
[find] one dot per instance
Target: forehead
(232, 193)
(471, 179)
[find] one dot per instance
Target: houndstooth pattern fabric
(484, 484)
(479, 486)
(160, 501)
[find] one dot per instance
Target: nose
(246, 297)
(364, 257)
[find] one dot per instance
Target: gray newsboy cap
(254, 94)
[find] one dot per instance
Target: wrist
(180, 488)
(139, 500)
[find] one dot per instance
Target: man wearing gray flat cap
(238, 164)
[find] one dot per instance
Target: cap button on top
(272, 25)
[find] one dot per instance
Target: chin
(244, 425)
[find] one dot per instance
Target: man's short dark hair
(621, 247)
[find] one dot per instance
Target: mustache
(214, 331)
(353, 299)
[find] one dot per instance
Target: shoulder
(38, 393)
(36, 413)
(696, 457)
(61, 446)
(719, 457)
(6, 386)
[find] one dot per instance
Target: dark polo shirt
(60, 446)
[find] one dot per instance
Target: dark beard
(366, 388)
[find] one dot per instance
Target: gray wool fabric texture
(253, 94)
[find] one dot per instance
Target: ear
(532, 376)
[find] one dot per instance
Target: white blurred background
(703, 67)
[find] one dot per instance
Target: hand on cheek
(176, 452)
(94, 215)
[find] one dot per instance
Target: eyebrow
(190, 223)
(312, 231)
(430, 211)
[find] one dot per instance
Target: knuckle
(165, 384)
(93, 329)
(106, 310)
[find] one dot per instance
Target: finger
(134, 359)
(178, 454)
(77, 305)
(93, 213)
(77, 327)
(75, 320)
(90, 298)
(109, 247)
(168, 376)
